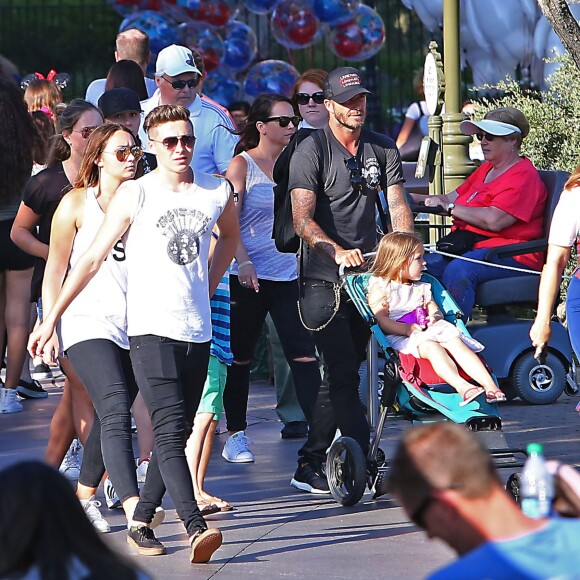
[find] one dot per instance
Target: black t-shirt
(345, 214)
(42, 194)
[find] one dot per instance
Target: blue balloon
(270, 76)
(261, 6)
(334, 11)
(162, 31)
(240, 45)
(221, 88)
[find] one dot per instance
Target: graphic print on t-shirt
(183, 227)
(372, 173)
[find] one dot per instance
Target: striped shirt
(220, 321)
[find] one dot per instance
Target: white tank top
(167, 257)
(100, 310)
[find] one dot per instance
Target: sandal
(223, 505)
(470, 395)
(206, 508)
(496, 396)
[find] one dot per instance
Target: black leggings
(106, 372)
(248, 313)
(170, 374)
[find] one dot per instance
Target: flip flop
(470, 395)
(207, 508)
(223, 505)
(496, 396)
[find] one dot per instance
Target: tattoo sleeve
(401, 216)
(303, 206)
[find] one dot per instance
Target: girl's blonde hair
(393, 253)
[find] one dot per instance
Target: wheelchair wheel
(346, 471)
(537, 383)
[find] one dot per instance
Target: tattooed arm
(303, 206)
(401, 216)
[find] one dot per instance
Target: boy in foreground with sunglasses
(447, 483)
(167, 217)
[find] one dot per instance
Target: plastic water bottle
(537, 484)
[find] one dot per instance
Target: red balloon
(347, 44)
(304, 32)
(211, 59)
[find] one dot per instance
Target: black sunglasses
(178, 85)
(357, 179)
(284, 121)
(418, 516)
(85, 131)
(488, 136)
(170, 143)
(123, 153)
(304, 98)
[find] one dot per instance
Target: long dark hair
(67, 116)
(127, 74)
(89, 171)
(43, 524)
(260, 110)
(44, 133)
(16, 139)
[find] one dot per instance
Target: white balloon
(430, 12)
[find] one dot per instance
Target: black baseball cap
(118, 100)
(342, 84)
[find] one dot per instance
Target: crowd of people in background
(136, 253)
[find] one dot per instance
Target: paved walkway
(278, 532)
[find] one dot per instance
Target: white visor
(488, 126)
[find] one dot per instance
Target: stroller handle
(343, 267)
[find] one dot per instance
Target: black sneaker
(203, 544)
(295, 430)
(310, 478)
(143, 538)
(41, 371)
(31, 390)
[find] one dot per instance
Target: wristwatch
(450, 208)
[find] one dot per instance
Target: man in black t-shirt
(334, 194)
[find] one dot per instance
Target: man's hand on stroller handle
(349, 258)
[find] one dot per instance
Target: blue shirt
(551, 552)
(220, 322)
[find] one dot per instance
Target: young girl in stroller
(408, 315)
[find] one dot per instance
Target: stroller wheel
(513, 487)
(346, 471)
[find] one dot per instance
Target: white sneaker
(142, 470)
(71, 464)
(158, 518)
(91, 507)
(113, 501)
(9, 402)
(236, 449)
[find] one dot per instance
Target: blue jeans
(461, 277)
(573, 314)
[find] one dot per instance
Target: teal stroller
(409, 388)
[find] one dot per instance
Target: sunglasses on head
(178, 85)
(123, 153)
(488, 136)
(304, 98)
(170, 143)
(85, 131)
(357, 179)
(284, 121)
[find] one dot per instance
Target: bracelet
(248, 263)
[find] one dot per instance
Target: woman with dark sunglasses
(501, 203)
(93, 328)
(262, 280)
(308, 94)
(41, 196)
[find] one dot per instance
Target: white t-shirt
(214, 145)
(167, 250)
(565, 226)
(97, 88)
(100, 310)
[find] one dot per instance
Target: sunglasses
(418, 516)
(85, 131)
(170, 143)
(123, 153)
(304, 98)
(178, 85)
(284, 121)
(357, 179)
(488, 136)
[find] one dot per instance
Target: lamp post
(456, 163)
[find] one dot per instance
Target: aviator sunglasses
(284, 121)
(123, 153)
(304, 98)
(85, 131)
(170, 143)
(357, 179)
(178, 85)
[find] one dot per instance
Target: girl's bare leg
(62, 429)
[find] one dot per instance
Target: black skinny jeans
(248, 313)
(170, 374)
(341, 346)
(106, 372)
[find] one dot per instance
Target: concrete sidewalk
(277, 531)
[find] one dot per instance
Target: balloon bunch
(352, 31)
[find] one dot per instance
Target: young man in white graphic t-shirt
(167, 216)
